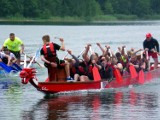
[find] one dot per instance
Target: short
(60, 63)
(17, 54)
(153, 54)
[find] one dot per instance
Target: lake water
(23, 102)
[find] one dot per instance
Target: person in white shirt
(3, 55)
(12, 56)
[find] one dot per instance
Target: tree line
(77, 8)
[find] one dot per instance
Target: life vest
(108, 66)
(51, 47)
(81, 70)
(90, 69)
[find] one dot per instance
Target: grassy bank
(102, 19)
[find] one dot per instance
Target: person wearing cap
(14, 45)
(151, 45)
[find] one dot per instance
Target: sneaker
(69, 79)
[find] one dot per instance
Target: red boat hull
(54, 87)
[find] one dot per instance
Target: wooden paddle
(133, 71)
(96, 74)
(118, 76)
(141, 77)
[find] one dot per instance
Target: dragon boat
(59, 84)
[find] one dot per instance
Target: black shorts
(17, 54)
(60, 63)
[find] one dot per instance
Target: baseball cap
(148, 35)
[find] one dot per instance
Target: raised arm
(62, 44)
(85, 54)
(101, 48)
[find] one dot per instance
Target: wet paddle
(118, 76)
(36, 57)
(141, 77)
(81, 53)
(17, 67)
(96, 74)
(133, 71)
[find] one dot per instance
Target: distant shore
(98, 20)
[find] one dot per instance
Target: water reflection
(96, 106)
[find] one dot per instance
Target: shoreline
(72, 21)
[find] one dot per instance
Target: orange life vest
(51, 47)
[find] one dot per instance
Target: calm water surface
(23, 102)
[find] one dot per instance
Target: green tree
(108, 9)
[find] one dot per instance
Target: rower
(49, 57)
(151, 46)
(12, 56)
(3, 55)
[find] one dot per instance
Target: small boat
(60, 85)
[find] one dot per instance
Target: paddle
(36, 57)
(17, 67)
(118, 76)
(81, 53)
(96, 74)
(141, 77)
(133, 71)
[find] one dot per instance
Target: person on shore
(14, 45)
(49, 57)
(151, 46)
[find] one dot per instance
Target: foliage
(86, 9)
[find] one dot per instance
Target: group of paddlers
(83, 69)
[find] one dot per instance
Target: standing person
(151, 45)
(49, 57)
(14, 45)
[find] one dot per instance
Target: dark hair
(46, 37)
(5, 49)
(11, 34)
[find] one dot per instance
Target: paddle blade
(17, 67)
(96, 74)
(133, 71)
(25, 61)
(118, 76)
(141, 77)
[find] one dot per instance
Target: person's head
(6, 51)
(148, 36)
(133, 57)
(12, 36)
(46, 39)
(118, 55)
(94, 57)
